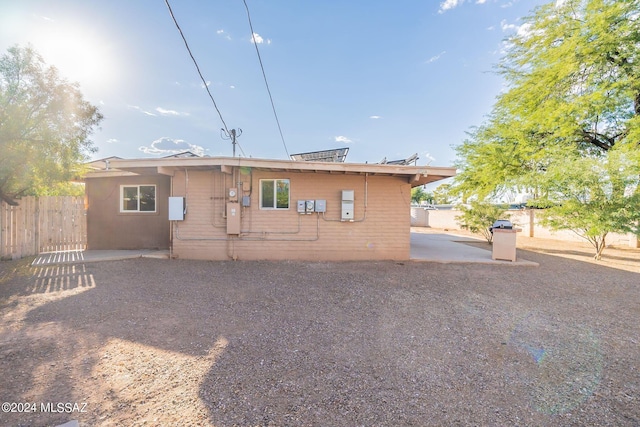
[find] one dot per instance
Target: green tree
(442, 194)
(571, 111)
(45, 125)
(478, 217)
(418, 194)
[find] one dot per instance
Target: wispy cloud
(425, 155)
(257, 38)
(451, 4)
(112, 140)
(375, 117)
(208, 84)
(165, 112)
(224, 34)
(436, 57)
(167, 146)
(135, 107)
(343, 139)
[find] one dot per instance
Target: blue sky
(386, 79)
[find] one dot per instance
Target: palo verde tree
(567, 129)
(45, 125)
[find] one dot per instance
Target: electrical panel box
(176, 208)
(233, 218)
(246, 201)
(232, 194)
(321, 205)
(302, 206)
(347, 205)
(310, 206)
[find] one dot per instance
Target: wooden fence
(42, 224)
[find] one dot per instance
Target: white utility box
(347, 205)
(176, 208)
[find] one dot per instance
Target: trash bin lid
(502, 223)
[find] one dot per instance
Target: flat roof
(415, 175)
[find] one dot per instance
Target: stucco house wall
(380, 230)
(108, 228)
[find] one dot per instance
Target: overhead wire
(255, 43)
(204, 82)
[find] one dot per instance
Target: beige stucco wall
(382, 234)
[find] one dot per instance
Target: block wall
(380, 230)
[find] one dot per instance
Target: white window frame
(275, 194)
(155, 195)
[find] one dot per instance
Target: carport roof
(415, 175)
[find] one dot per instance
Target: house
(220, 208)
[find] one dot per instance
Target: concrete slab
(75, 257)
(449, 248)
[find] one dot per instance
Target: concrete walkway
(75, 257)
(448, 248)
(425, 246)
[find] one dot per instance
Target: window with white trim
(274, 194)
(137, 198)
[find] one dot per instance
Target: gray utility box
(347, 205)
(176, 208)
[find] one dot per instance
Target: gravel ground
(153, 342)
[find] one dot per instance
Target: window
(274, 194)
(137, 198)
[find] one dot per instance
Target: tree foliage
(478, 217)
(418, 194)
(569, 121)
(45, 125)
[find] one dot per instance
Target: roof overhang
(415, 175)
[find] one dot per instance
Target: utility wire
(204, 82)
(265, 78)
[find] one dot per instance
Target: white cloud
(257, 38)
(164, 112)
(135, 107)
(232, 87)
(449, 4)
(112, 140)
(375, 117)
(224, 34)
(208, 84)
(169, 146)
(506, 27)
(425, 155)
(436, 57)
(343, 139)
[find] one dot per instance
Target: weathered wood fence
(42, 224)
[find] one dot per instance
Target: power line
(265, 77)
(204, 82)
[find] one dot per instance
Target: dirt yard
(153, 342)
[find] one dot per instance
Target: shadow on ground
(261, 343)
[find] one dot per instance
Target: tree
(571, 112)
(480, 216)
(419, 195)
(442, 194)
(45, 125)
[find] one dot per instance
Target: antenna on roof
(232, 135)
